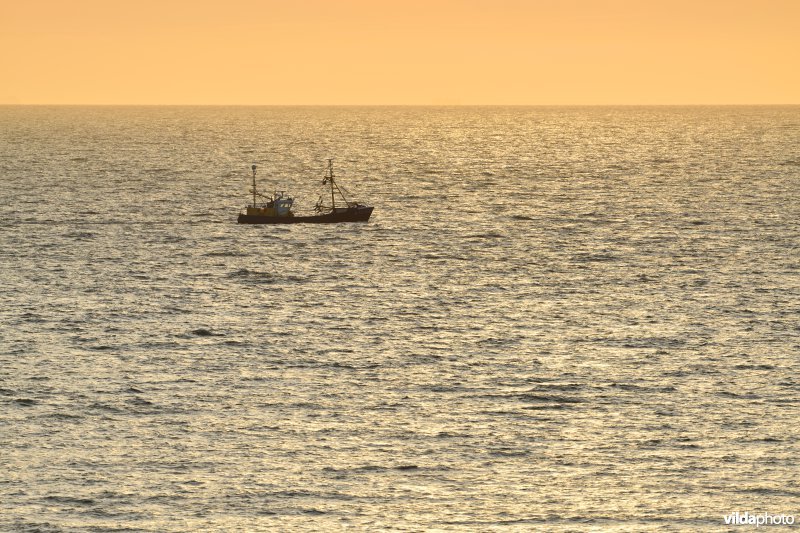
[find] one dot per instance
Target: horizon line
(11, 104)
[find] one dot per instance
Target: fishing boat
(277, 208)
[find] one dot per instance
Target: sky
(400, 52)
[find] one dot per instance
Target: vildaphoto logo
(761, 519)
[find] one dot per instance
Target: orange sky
(400, 52)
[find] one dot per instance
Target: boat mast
(330, 176)
(254, 186)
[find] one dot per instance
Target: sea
(557, 319)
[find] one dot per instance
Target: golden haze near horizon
(351, 52)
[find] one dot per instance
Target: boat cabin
(279, 205)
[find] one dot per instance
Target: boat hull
(357, 214)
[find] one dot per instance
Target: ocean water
(558, 319)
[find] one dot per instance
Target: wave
(203, 332)
(25, 401)
(224, 253)
(261, 277)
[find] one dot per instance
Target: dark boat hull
(356, 214)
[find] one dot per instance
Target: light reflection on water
(558, 318)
